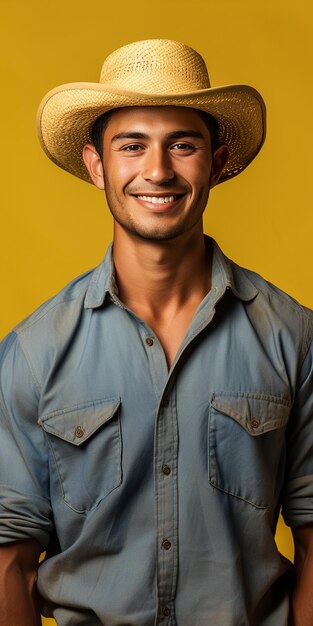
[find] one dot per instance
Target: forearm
(302, 594)
(302, 602)
(18, 599)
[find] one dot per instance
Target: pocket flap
(257, 414)
(76, 424)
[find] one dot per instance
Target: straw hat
(155, 72)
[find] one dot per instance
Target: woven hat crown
(156, 66)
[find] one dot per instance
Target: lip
(155, 194)
(159, 208)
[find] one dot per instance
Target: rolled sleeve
(297, 501)
(24, 516)
(25, 510)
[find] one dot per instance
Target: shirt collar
(225, 275)
(228, 275)
(102, 282)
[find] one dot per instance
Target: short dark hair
(101, 124)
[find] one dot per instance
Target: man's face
(157, 170)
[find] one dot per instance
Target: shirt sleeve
(25, 509)
(297, 500)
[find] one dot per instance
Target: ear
(220, 158)
(94, 165)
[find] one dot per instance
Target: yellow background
(55, 227)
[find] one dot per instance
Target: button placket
(156, 359)
(165, 464)
(166, 505)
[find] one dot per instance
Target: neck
(153, 276)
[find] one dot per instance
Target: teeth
(156, 199)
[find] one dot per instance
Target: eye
(183, 147)
(133, 147)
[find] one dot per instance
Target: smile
(158, 199)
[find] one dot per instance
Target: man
(157, 413)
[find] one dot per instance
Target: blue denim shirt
(157, 492)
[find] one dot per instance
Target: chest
(117, 355)
(113, 405)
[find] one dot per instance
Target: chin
(157, 236)
(154, 233)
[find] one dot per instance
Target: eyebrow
(176, 134)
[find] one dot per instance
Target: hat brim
(67, 113)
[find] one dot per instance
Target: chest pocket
(85, 443)
(246, 446)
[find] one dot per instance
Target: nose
(157, 165)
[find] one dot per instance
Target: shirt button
(166, 544)
(166, 470)
(255, 423)
(166, 611)
(79, 432)
(149, 341)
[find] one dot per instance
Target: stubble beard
(148, 234)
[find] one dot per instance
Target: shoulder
(46, 332)
(276, 295)
(258, 292)
(284, 314)
(284, 303)
(70, 297)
